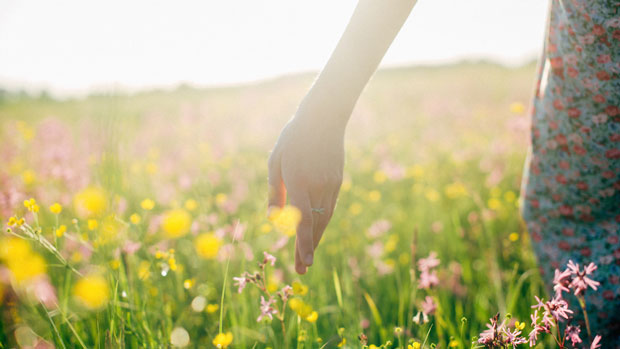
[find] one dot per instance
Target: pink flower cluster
(548, 315)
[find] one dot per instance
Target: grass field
(162, 201)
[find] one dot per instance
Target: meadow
(149, 216)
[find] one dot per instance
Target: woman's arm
(308, 158)
(368, 35)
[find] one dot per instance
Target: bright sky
(74, 46)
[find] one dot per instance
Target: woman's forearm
(368, 35)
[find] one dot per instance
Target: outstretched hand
(307, 163)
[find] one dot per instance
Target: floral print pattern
(572, 180)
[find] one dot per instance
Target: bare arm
(368, 35)
(308, 158)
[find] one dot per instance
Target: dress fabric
(571, 192)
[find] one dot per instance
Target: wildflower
(428, 306)
(561, 281)
(596, 342)
(188, 283)
(56, 208)
(312, 317)
(212, 308)
(90, 202)
(61, 230)
(92, 224)
(135, 219)
(285, 292)
(207, 245)
(191, 205)
(179, 337)
(428, 279)
(12, 222)
(299, 288)
(31, 205)
(269, 259)
(266, 309)
(517, 108)
(147, 204)
(221, 198)
(240, 282)
(342, 342)
(415, 345)
(285, 219)
(92, 291)
(572, 333)
(223, 340)
(420, 317)
(176, 223)
(425, 264)
(581, 281)
(172, 263)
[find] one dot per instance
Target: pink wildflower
(581, 281)
(596, 342)
(428, 279)
(561, 281)
(266, 309)
(428, 306)
(572, 333)
(425, 264)
(240, 282)
(269, 259)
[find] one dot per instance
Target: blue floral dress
(572, 181)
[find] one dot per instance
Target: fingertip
(301, 269)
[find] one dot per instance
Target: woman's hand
(307, 162)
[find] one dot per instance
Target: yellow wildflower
(144, 270)
(93, 224)
(220, 198)
(212, 308)
(147, 204)
(176, 223)
(513, 237)
(265, 228)
(431, 195)
(299, 288)
(28, 177)
(191, 205)
(135, 219)
(172, 262)
(374, 196)
(56, 208)
(342, 342)
(312, 317)
(92, 291)
(379, 177)
(61, 231)
(517, 108)
(115, 264)
(188, 283)
(223, 340)
(207, 245)
(355, 208)
(12, 221)
(90, 202)
(285, 219)
(415, 345)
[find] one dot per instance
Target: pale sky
(76, 46)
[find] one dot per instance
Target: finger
(277, 190)
(329, 203)
(300, 267)
(301, 200)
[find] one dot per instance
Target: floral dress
(572, 179)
